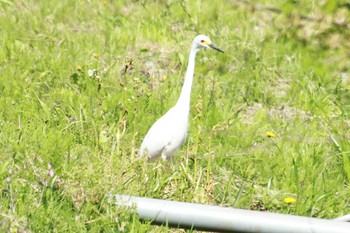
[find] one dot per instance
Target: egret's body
(169, 132)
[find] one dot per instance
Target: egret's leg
(164, 156)
(170, 159)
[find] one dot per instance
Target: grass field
(81, 82)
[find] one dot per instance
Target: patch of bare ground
(276, 112)
(280, 87)
(152, 61)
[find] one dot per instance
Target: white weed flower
(91, 72)
(344, 77)
(51, 172)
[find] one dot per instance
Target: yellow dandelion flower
(270, 134)
(289, 200)
(79, 68)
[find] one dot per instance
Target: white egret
(169, 132)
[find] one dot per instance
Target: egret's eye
(202, 41)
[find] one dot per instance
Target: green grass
(67, 139)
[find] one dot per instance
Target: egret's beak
(213, 46)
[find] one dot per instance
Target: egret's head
(202, 42)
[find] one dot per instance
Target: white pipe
(345, 218)
(215, 218)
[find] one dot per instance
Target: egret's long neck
(185, 96)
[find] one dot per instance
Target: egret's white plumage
(169, 132)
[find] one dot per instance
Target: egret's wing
(167, 133)
(158, 136)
